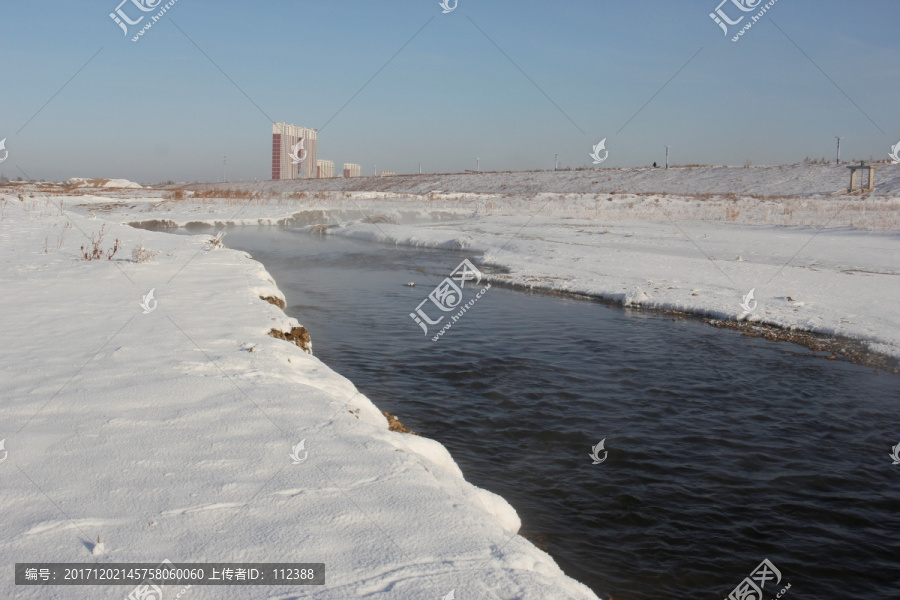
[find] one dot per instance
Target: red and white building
(290, 144)
(324, 168)
(352, 170)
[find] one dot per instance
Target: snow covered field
(167, 433)
(821, 263)
(799, 180)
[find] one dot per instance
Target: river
(720, 450)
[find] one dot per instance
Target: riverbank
(168, 424)
(823, 264)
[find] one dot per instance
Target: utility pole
(667, 157)
(478, 165)
(224, 160)
(556, 161)
(838, 137)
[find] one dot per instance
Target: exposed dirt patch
(847, 349)
(154, 225)
(380, 219)
(273, 300)
(297, 335)
(394, 424)
(109, 207)
(198, 226)
(840, 348)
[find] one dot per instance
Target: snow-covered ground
(822, 263)
(167, 433)
(80, 182)
(783, 180)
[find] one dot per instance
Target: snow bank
(164, 425)
(102, 183)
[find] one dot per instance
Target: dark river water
(722, 450)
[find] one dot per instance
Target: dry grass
(95, 250)
(139, 254)
(394, 424)
(297, 335)
(274, 300)
(380, 219)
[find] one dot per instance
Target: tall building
(324, 168)
(352, 170)
(284, 139)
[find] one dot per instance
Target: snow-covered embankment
(167, 432)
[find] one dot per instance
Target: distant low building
(387, 173)
(290, 143)
(352, 170)
(324, 169)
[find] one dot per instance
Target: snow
(699, 251)
(801, 180)
(168, 434)
(102, 183)
(162, 433)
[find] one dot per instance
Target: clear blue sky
(159, 109)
